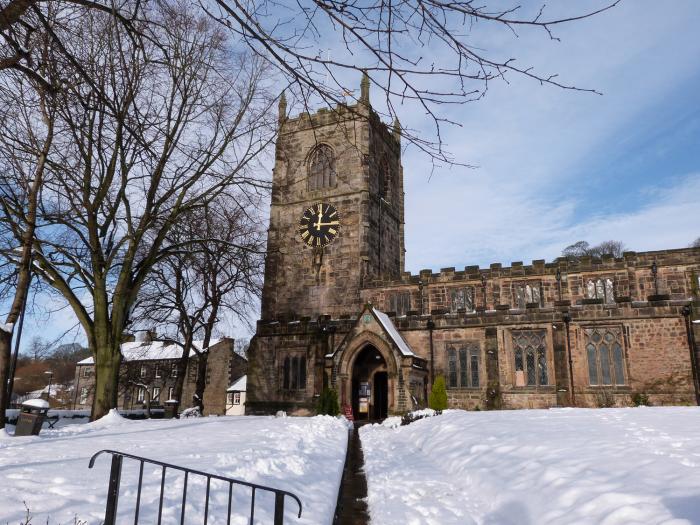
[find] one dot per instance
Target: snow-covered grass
(50, 472)
(559, 466)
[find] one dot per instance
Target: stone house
(150, 368)
(235, 397)
(339, 311)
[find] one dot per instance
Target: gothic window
(321, 168)
(463, 365)
(606, 360)
(294, 373)
(601, 289)
(400, 302)
(462, 298)
(530, 358)
(527, 293)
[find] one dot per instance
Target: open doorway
(370, 385)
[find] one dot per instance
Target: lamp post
(687, 312)
(558, 278)
(48, 395)
(654, 272)
(567, 321)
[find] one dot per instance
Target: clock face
(319, 225)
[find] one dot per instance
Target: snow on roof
(153, 351)
(239, 385)
(36, 403)
(393, 332)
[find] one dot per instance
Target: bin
(31, 417)
(171, 408)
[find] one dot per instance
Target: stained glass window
(463, 368)
(452, 368)
(322, 168)
(604, 349)
(530, 357)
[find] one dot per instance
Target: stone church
(339, 311)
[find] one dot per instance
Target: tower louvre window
(321, 168)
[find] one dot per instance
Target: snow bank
(560, 466)
(50, 472)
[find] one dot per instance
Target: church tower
(337, 211)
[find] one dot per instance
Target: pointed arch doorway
(370, 385)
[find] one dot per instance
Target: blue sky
(558, 166)
(555, 166)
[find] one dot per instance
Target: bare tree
(695, 243)
(429, 51)
(170, 126)
(582, 248)
(218, 276)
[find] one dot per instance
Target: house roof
(239, 385)
(392, 332)
(153, 351)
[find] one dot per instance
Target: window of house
(87, 371)
(527, 293)
(530, 358)
(141, 394)
(83, 395)
(321, 166)
(144, 370)
(171, 393)
(601, 289)
(463, 365)
(157, 371)
(294, 373)
(156, 394)
(400, 302)
(462, 298)
(173, 370)
(229, 398)
(236, 398)
(606, 357)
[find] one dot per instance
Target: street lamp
(50, 374)
(558, 278)
(654, 271)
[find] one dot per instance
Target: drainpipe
(431, 327)
(572, 396)
(687, 312)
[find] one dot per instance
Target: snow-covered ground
(50, 472)
(559, 466)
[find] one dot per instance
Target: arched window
(606, 365)
(321, 168)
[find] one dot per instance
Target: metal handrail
(115, 480)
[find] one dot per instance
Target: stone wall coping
(539, 268)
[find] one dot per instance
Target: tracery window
(294, 373)
(321, 165)
(462, 298)
(606, 359)
(601, 289)
(530, 357)
(527, 293)
(463, 365)
(400, 302)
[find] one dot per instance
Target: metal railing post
(115, 475)
(279, 508)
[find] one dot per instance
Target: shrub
(437, 400)
(639, 399)
(328, 402)
(605, 398)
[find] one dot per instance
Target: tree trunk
(201, 379)
(107, 362)
(5, 356)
